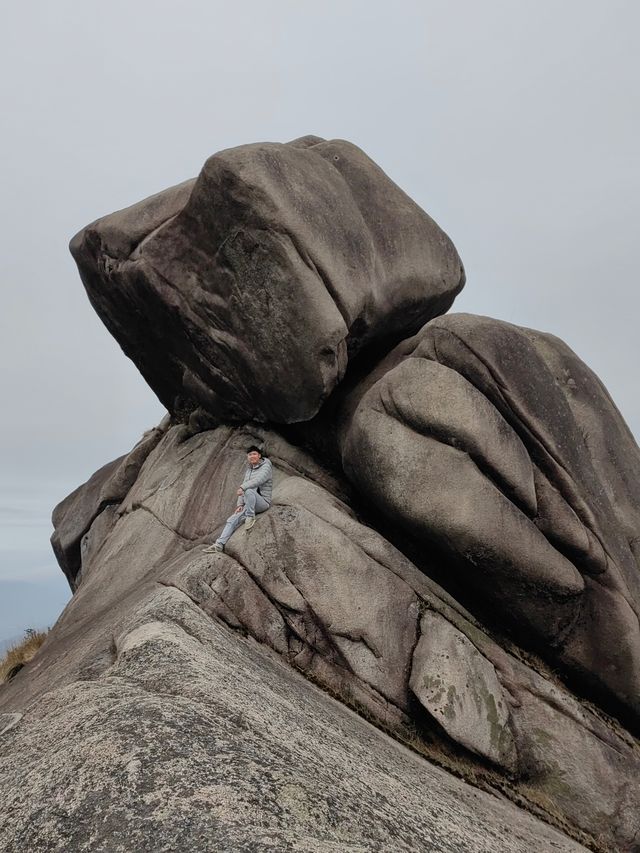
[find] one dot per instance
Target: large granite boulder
(247, 291)
(158, 624)
(501, 447)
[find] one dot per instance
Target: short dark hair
(254, 447)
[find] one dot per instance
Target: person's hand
(240, 492)
(239, 509)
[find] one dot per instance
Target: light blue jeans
(253, 503)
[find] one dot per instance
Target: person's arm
(259, 478)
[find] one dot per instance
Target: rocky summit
(430, 639)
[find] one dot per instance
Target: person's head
(254, 454)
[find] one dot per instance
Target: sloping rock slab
(339, 603)
(247, 291)
(196, 738)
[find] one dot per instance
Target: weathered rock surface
(187, 700)
(73, 517)
(343, 606)
(246, 291)
(461, 690)
(499, 445)
(194, 738)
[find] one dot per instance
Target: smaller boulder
(459, 687)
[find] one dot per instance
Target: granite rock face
(195, 738)
(500, 446)
(428, 642)
(338, 603)
(247, 291)
(460, 688)
(73, 517)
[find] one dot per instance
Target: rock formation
(450, 557)
(529, 481)
(247, 291)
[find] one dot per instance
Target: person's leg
(261, 504)
(253, 503)
(233, 522)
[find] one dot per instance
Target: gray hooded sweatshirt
(258, 477)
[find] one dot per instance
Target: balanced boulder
(247, 291)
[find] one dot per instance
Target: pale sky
(515, 124)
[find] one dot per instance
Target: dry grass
(17, 656)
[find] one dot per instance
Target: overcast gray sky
(515, 124)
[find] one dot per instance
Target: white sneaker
(249, 522)
(214, 549)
